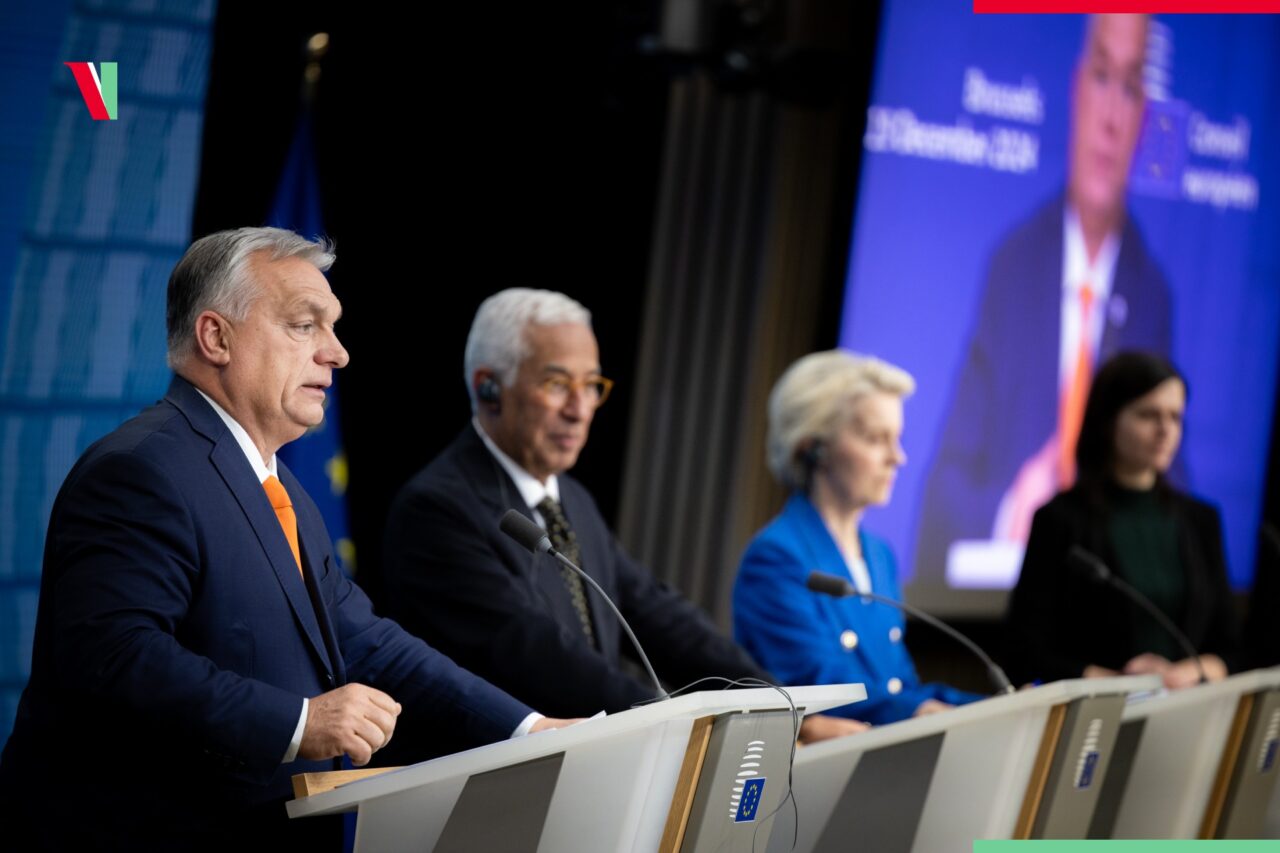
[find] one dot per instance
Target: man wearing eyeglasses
(532, 367)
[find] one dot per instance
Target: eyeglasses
(594, 391)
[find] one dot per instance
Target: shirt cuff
(296, 743)
(526, 724)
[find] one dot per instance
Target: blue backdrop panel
(92, 218)
(947, 173)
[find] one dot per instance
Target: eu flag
(750, 803)
(317, 459)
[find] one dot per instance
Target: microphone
(529, 535)
(839, 588)
(534, 539)
(1095, 570)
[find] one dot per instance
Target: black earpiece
(489, 391)
(814, 454)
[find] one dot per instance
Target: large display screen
(1037, 193)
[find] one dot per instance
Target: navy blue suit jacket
(456, 580)
(175, 639)
(806, 637)
(1005, 402)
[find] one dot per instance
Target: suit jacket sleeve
(127, 565)
(448, 584)
(432, 688)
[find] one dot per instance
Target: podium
(695, 773)
(1195, 763)
(1024, 765)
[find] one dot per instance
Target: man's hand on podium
(353, 719)
(818, 727)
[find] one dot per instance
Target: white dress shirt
(1077, 270)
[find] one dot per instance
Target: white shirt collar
(531, 489)
(1075, 259)
(246, 444)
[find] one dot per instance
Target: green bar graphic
(107, 77)
(1115, 846)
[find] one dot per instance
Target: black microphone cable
(789, 796)
(1097, 571)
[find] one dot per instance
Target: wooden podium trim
(686, 785)
(1226, 767)
(307, 784)
(1040, 773)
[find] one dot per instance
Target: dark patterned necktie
(563, 540)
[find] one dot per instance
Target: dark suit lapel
(498, 493)
(482, 472)
(228, 459)
(1116, 309)
(313, 547)
(236, 472)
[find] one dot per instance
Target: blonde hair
(814, 398)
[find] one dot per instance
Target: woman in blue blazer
(835, 423)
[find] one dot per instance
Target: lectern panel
(1079, 766)
(1251, 773)
(880, 807)
(502, 809)
(744, 778)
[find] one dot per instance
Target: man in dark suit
(1070, 286)
(1005, 405)
(532, 366)
(196, 644)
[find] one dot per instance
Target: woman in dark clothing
(1122, 509)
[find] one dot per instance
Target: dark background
(460, 153)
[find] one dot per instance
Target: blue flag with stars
(317, 459)
(750, 802)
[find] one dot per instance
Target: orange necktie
(284, 514)
(1071, 406)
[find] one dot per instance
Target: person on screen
(1163, 542)
(196, 644)
(532, 367)
(835, 424)
(1069, 286)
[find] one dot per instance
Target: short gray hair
(815, 398)
(214, 275)
(497, 337)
